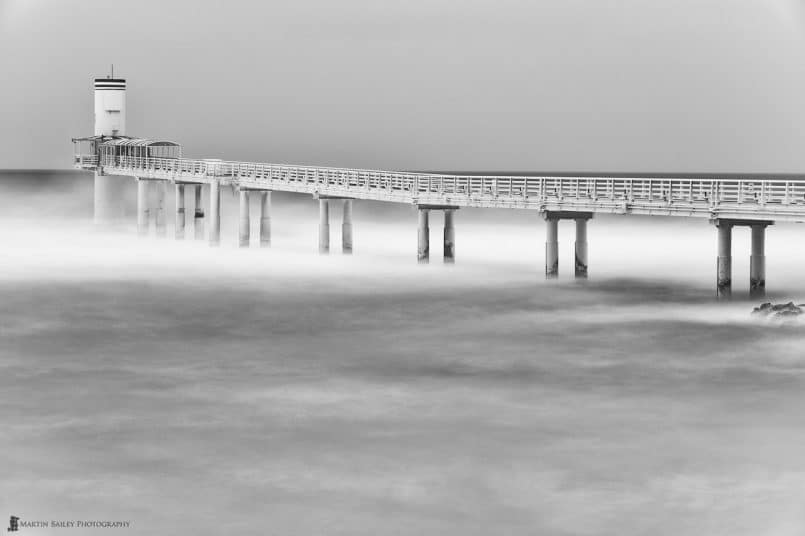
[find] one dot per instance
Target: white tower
(110, 107)
(110, 120)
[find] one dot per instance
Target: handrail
(681, 193)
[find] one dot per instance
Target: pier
(722, 201)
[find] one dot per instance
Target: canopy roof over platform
(126, 146)
(139, 142)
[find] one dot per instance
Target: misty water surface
(205, 391)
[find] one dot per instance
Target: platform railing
(707, 192)
(85, 160)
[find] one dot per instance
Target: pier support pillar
(215, 213)
(346, 227)
(449, 237)
(198, 213)
(581, 248)
(265, 219)
(244, 232)
(552, 247)
(108, 200)
(161, 223)
(423, 243)
(724, 262)
(757, 262)
(178, 231)
(142, 207)
(324, 226)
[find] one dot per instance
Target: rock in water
(778, 310)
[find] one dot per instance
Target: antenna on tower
(113, 71)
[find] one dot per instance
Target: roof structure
(139, 142)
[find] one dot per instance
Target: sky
(506, 85)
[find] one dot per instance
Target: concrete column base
(346, 227)
(215, 214)
(552, 248)
(180, 213)
(324, 227)
(423, 237)
(757, 262)
(724, 261)
(143, 212)
(580, 248)
(161, 222)
(244, 229)
(198, 214)
(449, 237)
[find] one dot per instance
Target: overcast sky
(632, 85)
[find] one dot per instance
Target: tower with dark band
(110, 121)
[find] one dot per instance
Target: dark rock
(765, 308)
(778, 310)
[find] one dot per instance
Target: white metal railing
(85, 160)
(704, 193)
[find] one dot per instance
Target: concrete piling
(324, 226)
(581, 248)
(265, 219)
(423, 244)
(724, 261)
(180, 213)
(552, 248)
(449, 237)
(108, 196)
(161, 223)
(198, 214)
(142, 207)
(346, 227)
(215, 213)
(757, 262)
(244, 232)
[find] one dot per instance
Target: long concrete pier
(727, 201)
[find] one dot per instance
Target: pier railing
(714, 197)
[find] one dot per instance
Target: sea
(192, 390)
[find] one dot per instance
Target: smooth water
(206, 391)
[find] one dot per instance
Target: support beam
(215, 213)
(142, 207)
(724, 262)
(324, 226)
(581, 248)
(757, 262)
(198, 214)
(161, 223)
(423, 244)
(244, 232)
(178, 231)
(552, 247)
(346, 227)
(449, 237)
(265, 219)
